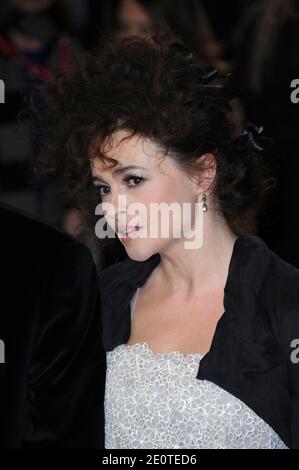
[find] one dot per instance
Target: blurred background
(255, 40)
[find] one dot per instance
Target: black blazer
(52, 381)
(250, 355)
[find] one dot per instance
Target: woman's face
(158, 179)
(133, 19)
(33, 6)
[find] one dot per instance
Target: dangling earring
(204, 206)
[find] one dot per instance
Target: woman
(198, 340)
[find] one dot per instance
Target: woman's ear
(207, 167)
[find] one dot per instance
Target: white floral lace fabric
(154, 401)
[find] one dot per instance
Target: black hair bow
(182, 49)
(253, 132)
(212, 74)
(226, 89)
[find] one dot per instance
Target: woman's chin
(139, 250)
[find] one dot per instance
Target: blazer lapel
(243, 341)
(118, 284)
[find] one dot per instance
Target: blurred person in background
(73, 222)
(188, 19)
(266, 47)
(35, 38)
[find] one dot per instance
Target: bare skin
(175, 323)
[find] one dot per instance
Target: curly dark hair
(155, 88)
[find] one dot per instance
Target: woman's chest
(175, 324)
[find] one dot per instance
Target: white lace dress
(154, 401)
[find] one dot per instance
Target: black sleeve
(293, 369)
(288, 292)
(66, 381)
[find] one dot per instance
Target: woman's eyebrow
(129, 167)
(119, 171)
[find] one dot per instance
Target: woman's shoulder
(279, 277)
(284, 276)
(281, 290)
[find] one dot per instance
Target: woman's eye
(137, 179)
(98, 190)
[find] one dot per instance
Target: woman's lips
(125, 235)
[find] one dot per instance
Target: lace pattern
(154, 401)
